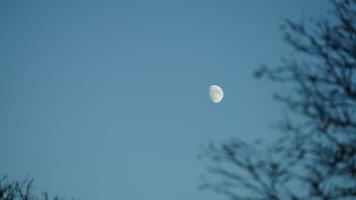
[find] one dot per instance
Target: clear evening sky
(109, 99)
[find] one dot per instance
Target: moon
(216, 93)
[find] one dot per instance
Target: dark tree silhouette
(315, 158)
(21, 190)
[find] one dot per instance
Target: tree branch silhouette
(21, 190)
(316, 156)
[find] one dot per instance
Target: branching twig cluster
(316, 157)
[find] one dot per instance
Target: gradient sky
(109, 99)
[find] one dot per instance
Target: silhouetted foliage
(316, 156)
(21, 190)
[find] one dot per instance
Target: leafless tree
(315, 158)
(21, 190)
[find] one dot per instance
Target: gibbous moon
(216, 93)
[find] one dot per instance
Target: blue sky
(109, 99)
